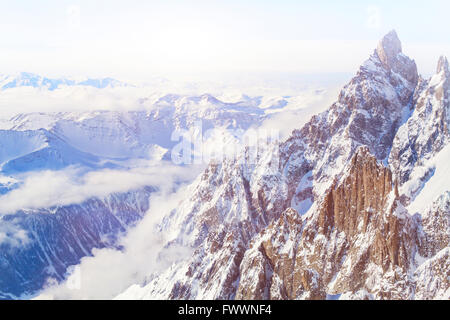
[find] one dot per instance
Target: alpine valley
(353, 204)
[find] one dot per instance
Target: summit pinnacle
(443, 65)
(389, 47)
(389, 52)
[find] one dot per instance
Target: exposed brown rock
(362, 194)
(359, 228)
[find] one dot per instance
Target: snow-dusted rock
(425, 133)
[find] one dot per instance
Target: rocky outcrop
(359, 228)
(267, 270)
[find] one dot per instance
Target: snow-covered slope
(111, 136)
(23, 151)
(89, 138)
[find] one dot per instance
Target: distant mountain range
(25, 79)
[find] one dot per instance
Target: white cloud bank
(72, 99)
(46, 189)
(109, 272)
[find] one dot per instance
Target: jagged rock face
(368, 112)
(236, 199)
(361, 229)
(267, 270)
(358, 228)
(362, 193)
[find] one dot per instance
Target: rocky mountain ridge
(323, 214)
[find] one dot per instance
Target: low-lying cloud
(69, 99)
(47, 189)
(12, 235)
(109, 271)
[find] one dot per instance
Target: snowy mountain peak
(389, 52)
(389, 47)
(443, 65)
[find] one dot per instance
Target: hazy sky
(136, 39)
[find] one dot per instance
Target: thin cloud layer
(68, 99)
